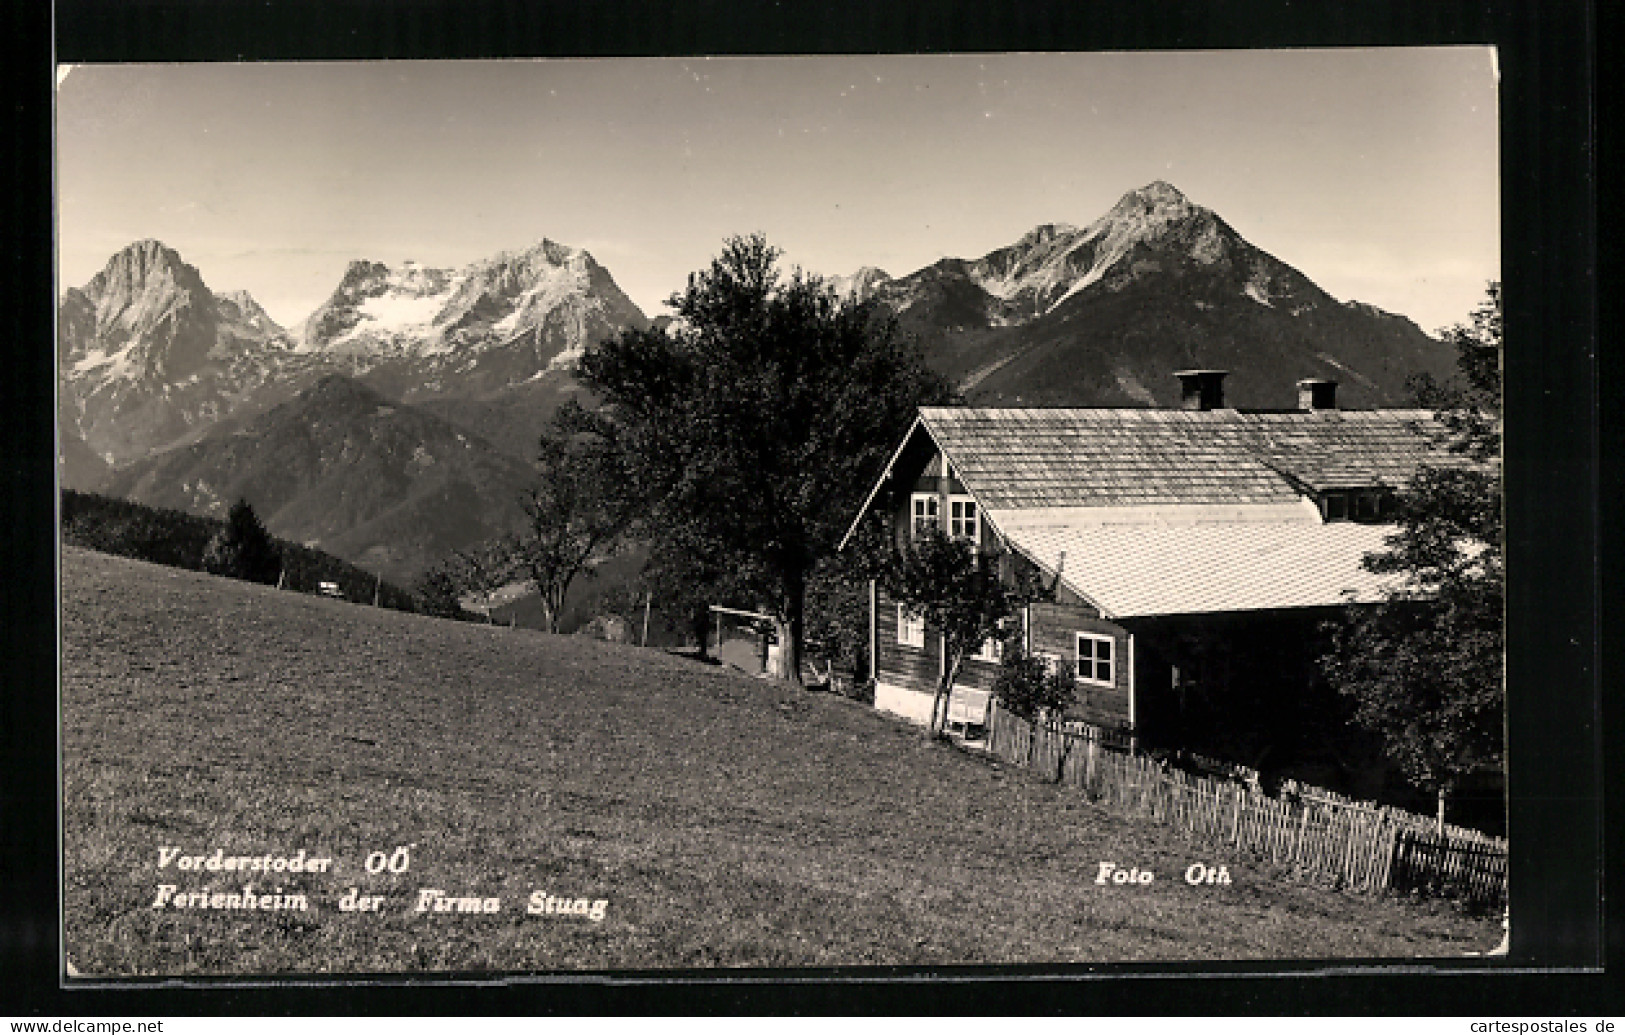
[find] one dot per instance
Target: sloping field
(722, 821)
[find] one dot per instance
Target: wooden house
(1197, 554)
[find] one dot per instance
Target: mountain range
(1101, 316)
(429, 385)
(150, 357)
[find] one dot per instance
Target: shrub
(1027, 685)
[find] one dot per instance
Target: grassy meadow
(726, 821)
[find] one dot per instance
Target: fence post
(1386, 872)
(1303, 828)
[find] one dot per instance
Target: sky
(1372, 171)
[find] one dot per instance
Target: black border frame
(1555, 477)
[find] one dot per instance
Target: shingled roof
(1014, 459)
(1346, 449)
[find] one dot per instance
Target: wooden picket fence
(1355, 844)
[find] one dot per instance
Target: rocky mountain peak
(145, 268)
(1158, 193)
(1149, 212)
(1045, 233)
(1100, 315)
(860, 285)
(242, 308)
(361, 272)
(146, 315)
(556, 254)
(497, 321)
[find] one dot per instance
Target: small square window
(1095, 659)
(910, 629)
(1337, 507)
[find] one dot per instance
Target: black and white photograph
(710, 514)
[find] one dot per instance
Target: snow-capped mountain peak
(552, 295)
(149, 356)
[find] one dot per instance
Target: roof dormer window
(1367, 506)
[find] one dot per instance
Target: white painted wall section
(913, 705)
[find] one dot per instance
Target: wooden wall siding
(901, 511)
(1053, 628)
(916, 669)
(929, 483)
(901, 665)
(977, 675)
(1102, 707)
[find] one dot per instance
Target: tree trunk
(700, 628)
(552, 604)
(789, 630)
(945, 692)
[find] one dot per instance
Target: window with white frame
(962, 523)
(1096, 663)
(923, 512)
(910, 629)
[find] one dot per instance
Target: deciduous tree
(958, 593)
(756, 420)
(576, 513)
(1425, 667)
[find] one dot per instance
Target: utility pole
(648, 597)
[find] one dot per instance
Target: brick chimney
(1201, 389)
(1317, 393)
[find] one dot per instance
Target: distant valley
(380, 483)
